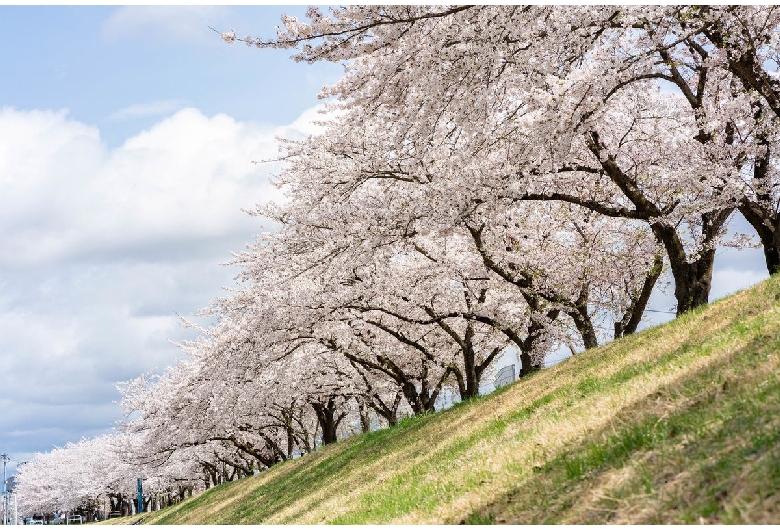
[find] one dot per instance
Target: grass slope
(677, 424)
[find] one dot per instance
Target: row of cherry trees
(485, 177)
(96, 477)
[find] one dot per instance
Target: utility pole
(6, 459)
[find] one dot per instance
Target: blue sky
(127, 136)
(100, 61)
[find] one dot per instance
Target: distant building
(10, 483)
(505, 376)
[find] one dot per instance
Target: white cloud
(309, 122)
(143, 110)
(169, 23)
(101, 247)
(185, 179)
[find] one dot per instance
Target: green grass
(677, 424)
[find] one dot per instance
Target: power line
(660, 311)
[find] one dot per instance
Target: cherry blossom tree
(468, 68)
(75, 478)
(742, 41)
(369, 186)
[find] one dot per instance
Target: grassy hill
(677, 424)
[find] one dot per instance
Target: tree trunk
(633, 315)
(469, 365)
(388, 412)
(528, 363)
(582, 320)
(767, 225)
(328, 419)
(365, 420)
(759, 210)
(692, 280)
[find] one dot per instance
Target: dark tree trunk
(767, 226)
(420, 401)
(633, 315)
(413, 397)
(760, 214)
(392, 411)
(528, 363)
(758, 210)
(468, 379)
(328, 419)
(582, 320)
(470, 365)
(388, 412)
(692, 280)
(365, 420)
(471, 387)
(424, 400)
(290, 442)
(373, 400)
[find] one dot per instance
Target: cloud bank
(100, 248)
